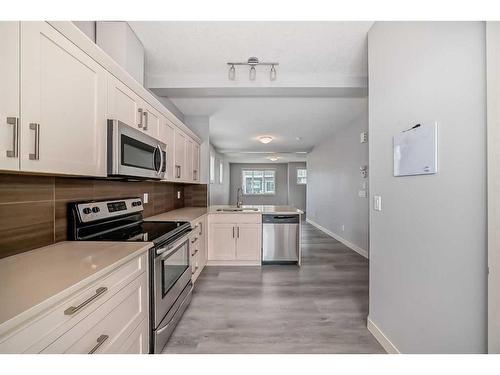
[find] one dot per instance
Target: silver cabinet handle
(194, 240)
(233, 232)
(195, 173)
(201, 229)
(195, 269)
(14, 153)
(238, 232)
(140, 118)
(100, 340)
(196, 252)
(178, 171)
(72, 309)
(36, 128)
(145, 120)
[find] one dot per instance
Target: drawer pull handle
(72, 309)
(196, 252)
(100, 340)
(195, 269)
(194, 240)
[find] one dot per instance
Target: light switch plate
(178, 194)
(377, 203)
(146, 198)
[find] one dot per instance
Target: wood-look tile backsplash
(33, 209)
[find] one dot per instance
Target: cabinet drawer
(236, 218)
(36, 334)
(106, 329)
(138, 341)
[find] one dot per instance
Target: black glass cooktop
(145, 231)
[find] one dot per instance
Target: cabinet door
(151, 121)
(249, 239)
(222, 239)
(124, 104)
(9, 95)
(196, 162)
(189, 160)
(180, 156)
(63, 105)
(166, 135)
(203, 246)
(138, 341)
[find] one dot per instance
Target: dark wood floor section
(318, 308)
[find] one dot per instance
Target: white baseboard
(350, 245)
(382, 338)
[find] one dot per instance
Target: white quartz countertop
(28, 279)
(262, 209)
(181, 214)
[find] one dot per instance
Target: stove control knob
(95, 209)
(86, 210)
(137, 203)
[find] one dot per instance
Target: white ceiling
(321, 85)
(236, 123)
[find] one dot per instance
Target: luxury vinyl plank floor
(320, 307)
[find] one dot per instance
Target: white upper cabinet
(180, 155)
(123, 104)
(9, 95)
(151, 120)
(166, 135)
(189, 160)
(196, 162)
(63, 101)
(128, 107)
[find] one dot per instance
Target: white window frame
(297, 176)
(263, 170)
(221, 172)
(212, 169)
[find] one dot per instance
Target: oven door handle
(170, 249)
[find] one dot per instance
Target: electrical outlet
(178, 194)
(343, 227)
(363, 137)
(377, 203)
(146, 198)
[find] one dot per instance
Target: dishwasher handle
(280, 219)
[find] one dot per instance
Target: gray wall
(334, 180)
(428, 244)
(296, 193)
(281, 196)
(219, 193)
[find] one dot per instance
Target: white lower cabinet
(235, 239)
(107, 316)
(198, 246)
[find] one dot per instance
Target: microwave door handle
(160, 167)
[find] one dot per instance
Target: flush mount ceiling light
(252, 74)
(265, 139)
(273, 158)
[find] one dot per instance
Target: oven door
(131, 153)
(172, 273)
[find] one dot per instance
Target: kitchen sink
(236, 209)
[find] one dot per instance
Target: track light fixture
(252, 62)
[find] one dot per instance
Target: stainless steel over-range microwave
(134, 154)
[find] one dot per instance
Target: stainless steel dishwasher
(280, 238)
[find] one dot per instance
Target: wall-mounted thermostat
(363, 137)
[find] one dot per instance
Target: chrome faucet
(239, 198)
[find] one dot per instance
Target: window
(259, 182)
(212, 169)
(301, 176)
(221, 172)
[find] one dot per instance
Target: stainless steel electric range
(170, 273)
